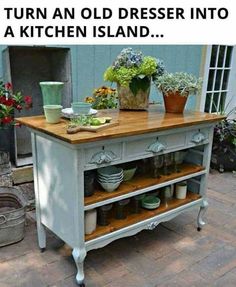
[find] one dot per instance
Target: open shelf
(140, 182)
(132, 218)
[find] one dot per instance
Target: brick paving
(174, 254)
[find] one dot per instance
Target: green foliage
(139, 84)
(130, 65)
(124, 75)
(179, 82)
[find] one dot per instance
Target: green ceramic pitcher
(52, 92)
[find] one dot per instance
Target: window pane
(210, 80)
(218, 80)
(208, 103)
(213, 55)
(222, 102)
(215, 102)
(225, 80)
(228, 56)
(221, 56)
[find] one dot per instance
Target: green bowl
(151, 202)
(129, 173)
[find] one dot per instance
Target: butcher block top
(130, 123)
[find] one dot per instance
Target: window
(219, 70)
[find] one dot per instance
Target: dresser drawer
(198, 136)
(103, 154)
(153, 145)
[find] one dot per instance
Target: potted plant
(133, 73)
(10, 103)
(175, 88)
(103, 98)
(224, 143)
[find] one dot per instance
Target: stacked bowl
(151, 202)
(110, 177)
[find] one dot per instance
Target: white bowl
(110, 179)
(110, 171)
(109, 186)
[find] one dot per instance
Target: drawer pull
(198, 137)
(152, 225)
(103, 157)
(156, 147)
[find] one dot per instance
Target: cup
(89, 178)
(169, 192)
(181, 190)
(52, 113)
(103, 214)
(136, 203)
(90, 221)
(80, 108)
(52, 92)
(120, 209)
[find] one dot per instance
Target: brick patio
(174, 254)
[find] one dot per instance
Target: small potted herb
(176, 87)
(103, 98)
(133, 73)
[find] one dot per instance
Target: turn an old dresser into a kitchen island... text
(60, 161)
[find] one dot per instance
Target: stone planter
(129, 101)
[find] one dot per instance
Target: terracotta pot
(174, 102)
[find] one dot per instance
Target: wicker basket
(12, 216)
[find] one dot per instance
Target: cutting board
(74, 130)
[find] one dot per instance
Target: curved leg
(79, 255)
(202, 211)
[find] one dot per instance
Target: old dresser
(60, 161)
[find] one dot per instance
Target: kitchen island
(61, 161)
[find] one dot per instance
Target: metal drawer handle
(198, 137)
(156, 147)
(103, 157)
(152, 225)
(3, 217)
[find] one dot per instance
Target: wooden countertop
(130, 123)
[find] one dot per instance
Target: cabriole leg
(202, 211)
(79, 255)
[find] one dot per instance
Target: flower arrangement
(10, 102)
(103, 98)
(132, 69)
(180, 82)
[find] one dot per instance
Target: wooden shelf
(131, 219)
(140, 182)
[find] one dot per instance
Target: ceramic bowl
(81, 108)
(108, 179)
(151, 202)
(129, 173)
(109, 186)
(110, 171)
